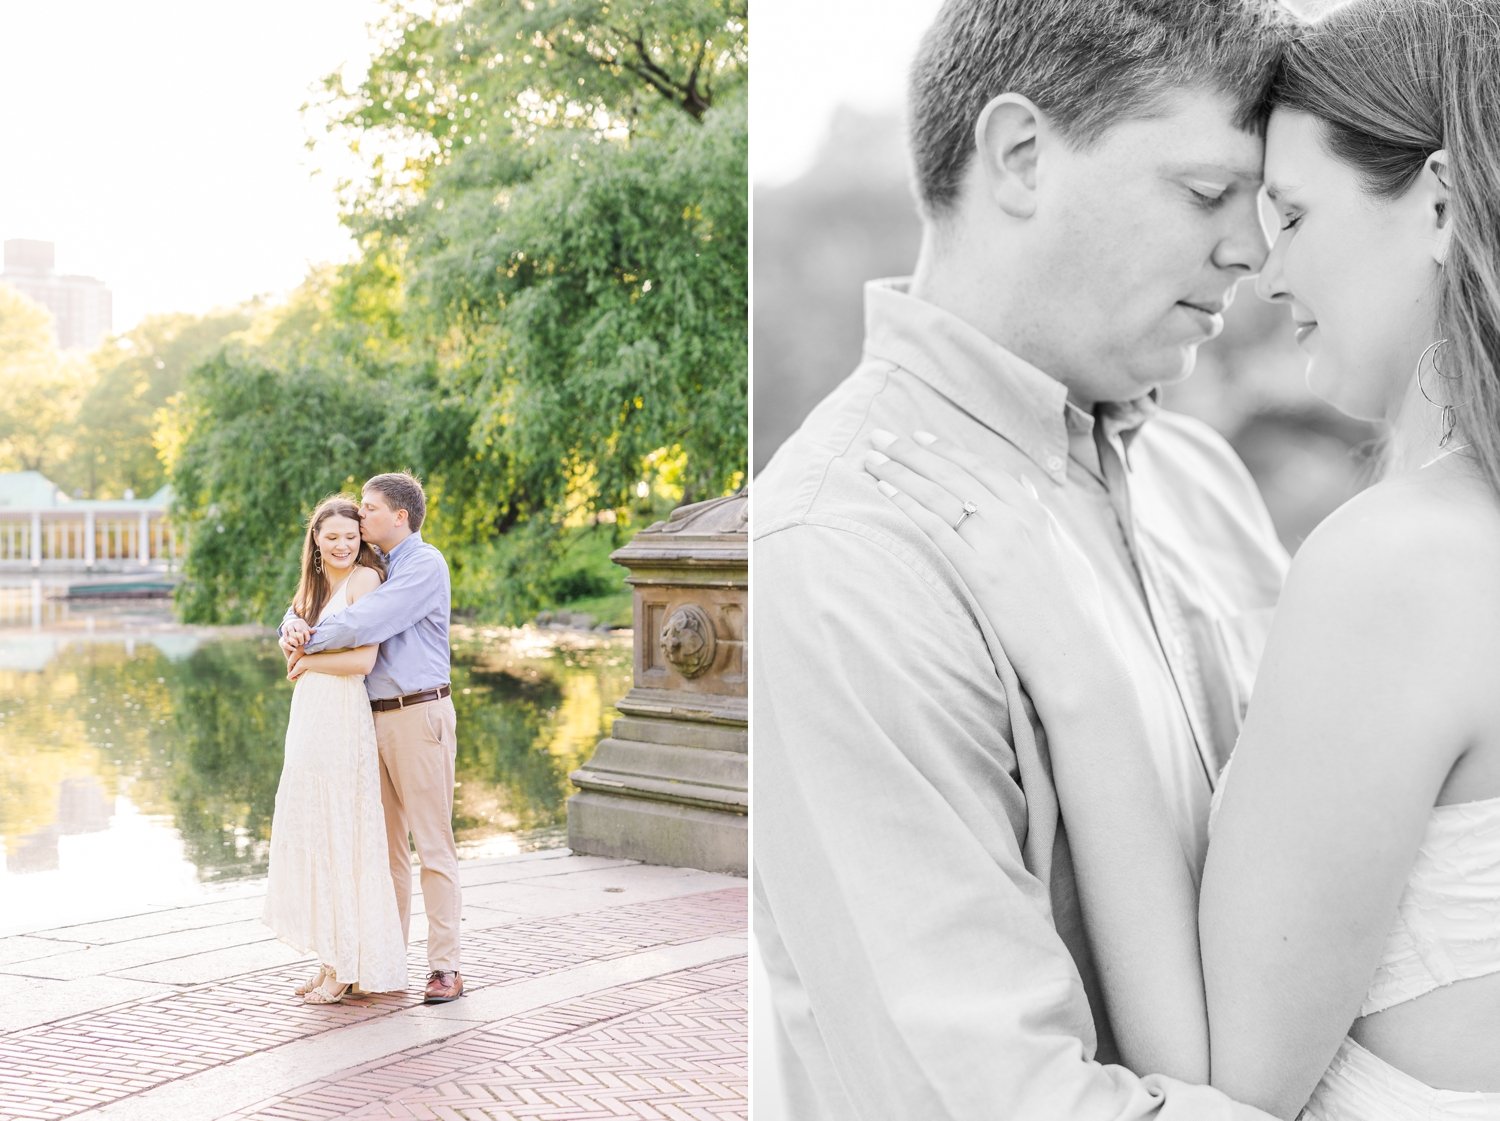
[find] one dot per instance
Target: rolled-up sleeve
(411, 593)
(915, 968)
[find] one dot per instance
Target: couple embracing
(370, 751)
(1011, 610)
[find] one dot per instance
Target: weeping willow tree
(548, 318)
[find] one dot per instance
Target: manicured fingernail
(875, 459)
(923, 438)
(886, 489)
(881, 438)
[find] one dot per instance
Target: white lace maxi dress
(329, 891)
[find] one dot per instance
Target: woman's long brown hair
(1393, 81)
(313, 591)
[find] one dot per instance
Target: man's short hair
(402, 492)
(1088, 64)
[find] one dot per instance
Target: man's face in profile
(377, 521)
(1141, 238)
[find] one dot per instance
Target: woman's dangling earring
(1450, 415)
(318, 556)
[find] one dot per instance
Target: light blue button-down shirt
(915, 898)
(407, 615)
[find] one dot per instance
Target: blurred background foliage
(851, 218)
(546, 319)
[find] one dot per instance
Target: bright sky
(810, 56)
(159, 143)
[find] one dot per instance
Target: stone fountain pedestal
(670, 783)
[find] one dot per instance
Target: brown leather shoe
(443, 985)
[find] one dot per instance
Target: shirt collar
(1005, 393)
(402, 547)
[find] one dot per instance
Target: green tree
(485, 72)
(548, 310)
(295, 408)
(576, 240)
(135, 377)
(279, 442)
(38, 388)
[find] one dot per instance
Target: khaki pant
(418, 750)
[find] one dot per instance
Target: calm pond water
(139, 758)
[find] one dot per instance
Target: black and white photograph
(1125, 403)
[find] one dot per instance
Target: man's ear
(1437, 188)
(1005, 139)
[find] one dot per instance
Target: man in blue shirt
(415, 725)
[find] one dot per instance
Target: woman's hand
(297, 664)
(295, 633)
(1031, 579)
(1039, 592)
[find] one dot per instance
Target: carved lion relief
(688, 640)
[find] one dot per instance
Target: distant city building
(80, 305)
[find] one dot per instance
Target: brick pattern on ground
(61, 1069)
(670, 1048)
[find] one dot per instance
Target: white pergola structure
(88, 537)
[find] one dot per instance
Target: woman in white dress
(1349, 919)
(329, 891)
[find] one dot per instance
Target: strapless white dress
(1447, 929)
(329, 889)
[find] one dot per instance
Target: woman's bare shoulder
(1410, 552)
(361, 581)
(1410, 520)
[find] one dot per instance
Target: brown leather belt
(411, 699)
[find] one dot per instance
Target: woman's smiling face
(338, 541)
(1359, 273)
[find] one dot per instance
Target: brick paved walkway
(594, 989)
(673, 1046)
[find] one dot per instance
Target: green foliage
(229, 703)
(266, 445)
(585, 581)
(606, 298)
(133, 380)
(548, 311)
(505, 720)
(38, 388)
(486, 73)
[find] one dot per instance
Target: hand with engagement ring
(1030, 578)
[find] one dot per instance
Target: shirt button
(1054, 463)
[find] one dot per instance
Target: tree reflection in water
(196, 739)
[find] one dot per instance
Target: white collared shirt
(915, 901)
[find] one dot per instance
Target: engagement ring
(969, 508)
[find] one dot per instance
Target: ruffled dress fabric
(1447, 926)
(1447, 929)
(329, 889)
(1361, 1086)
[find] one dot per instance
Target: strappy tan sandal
(331, 991)
(308, 986)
